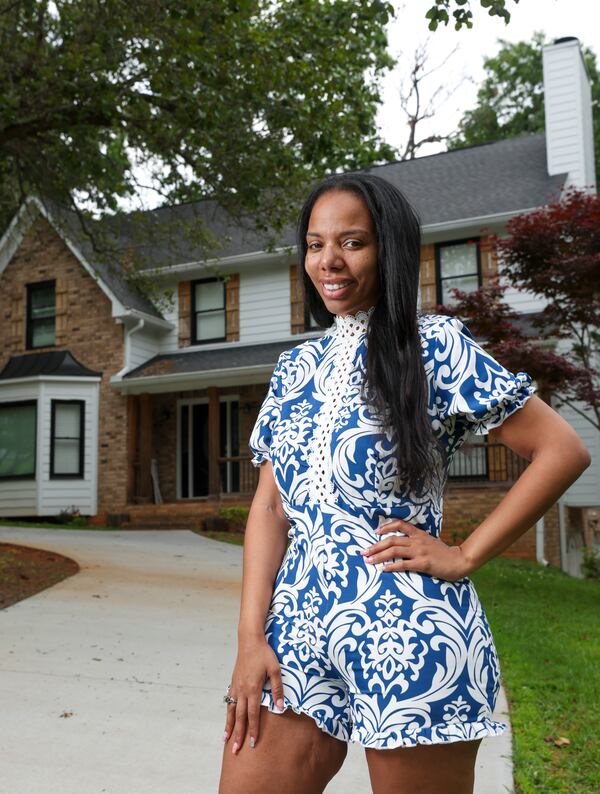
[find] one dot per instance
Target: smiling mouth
(336, 288)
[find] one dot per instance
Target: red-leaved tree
(554, 253)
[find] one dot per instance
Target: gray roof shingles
(207, 360)
(47, 362)
(485, 180)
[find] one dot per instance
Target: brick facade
(84, 326)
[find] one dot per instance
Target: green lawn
(547, 632)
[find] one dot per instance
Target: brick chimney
(568, 113)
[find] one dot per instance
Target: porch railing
(473, 463)
(491, 462)
(237, 474)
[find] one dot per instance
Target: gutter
(539, 542)
(562, 535)
(158, 322)
(128, 334)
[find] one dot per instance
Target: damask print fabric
(383, 658)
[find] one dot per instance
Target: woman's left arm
(557, 458)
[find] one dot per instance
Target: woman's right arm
(264, 547)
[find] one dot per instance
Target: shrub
(590, 566)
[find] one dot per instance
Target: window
(458, 264)
(208, 310)
(41, 308)
(66, 438)
(18, 423)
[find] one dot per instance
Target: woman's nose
(330, 254)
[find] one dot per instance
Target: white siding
(521, 301)
(19, 497)
(265, 303)
(585, 492)
(143, 345)
(57, 495)
(169, 342)
(44, 496)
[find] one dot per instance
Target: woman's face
(342, 250)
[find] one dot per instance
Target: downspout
(539, 542)
(128, 334)
(562, 536)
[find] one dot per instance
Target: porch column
(214, 441)
(145, 484)
(133, 410)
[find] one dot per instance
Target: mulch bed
(25, 571)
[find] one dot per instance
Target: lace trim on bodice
(347, 331)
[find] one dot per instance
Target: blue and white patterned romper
(385, 658)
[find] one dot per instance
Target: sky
(463, 70)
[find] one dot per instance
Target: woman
(357, 633)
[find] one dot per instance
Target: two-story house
(139, 417)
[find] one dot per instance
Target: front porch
(187, 457)
(187, 451)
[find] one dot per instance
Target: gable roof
(464, 185)
(507, 176)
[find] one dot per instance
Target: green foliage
(235, 515)
(463, 16)
(546, 629)
(71, 517)
(243, 102)
(510, 101)
(590, 565)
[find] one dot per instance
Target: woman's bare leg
(425, 769)
(292, 755)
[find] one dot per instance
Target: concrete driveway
(111, 681)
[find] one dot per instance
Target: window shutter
(427, 277)
(61, 310)
(489, 260)
(296, 301)
(185, 311)
(17, 322)
(232, 307)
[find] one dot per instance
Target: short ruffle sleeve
(470, 384)
(268, 414)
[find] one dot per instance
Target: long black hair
(396, 385)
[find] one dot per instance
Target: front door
(193, 463)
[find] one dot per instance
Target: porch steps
(174, 515)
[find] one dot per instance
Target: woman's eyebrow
(346, 231)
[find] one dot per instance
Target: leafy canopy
(510, 101)
(243, 101)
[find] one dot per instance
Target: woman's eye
(353, 242)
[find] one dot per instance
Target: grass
(547, 633)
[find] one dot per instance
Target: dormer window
(41, 314)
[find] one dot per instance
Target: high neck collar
(351, 324)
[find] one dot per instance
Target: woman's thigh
(292, 754)
(424, 769)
